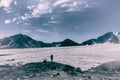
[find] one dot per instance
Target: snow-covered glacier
(84, 57)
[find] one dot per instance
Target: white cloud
(27, 23)
(14, 19)
(37, 10)
(15, 2)
(42, 7)
(23, 17)
(59, 2)
(5, 3)
(43, 31)
(76, 5)
(48, 6)
(8, 10)
(7, 21)
(54, 22)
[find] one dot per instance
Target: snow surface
(84, 57)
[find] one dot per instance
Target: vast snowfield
(84, 57)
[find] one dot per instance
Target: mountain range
(24, 41)
(110, 37)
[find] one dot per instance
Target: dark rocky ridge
(24, 41)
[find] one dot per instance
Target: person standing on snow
(51, 57)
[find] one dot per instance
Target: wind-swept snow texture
(84, 57)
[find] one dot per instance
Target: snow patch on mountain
(110, 37)
(117, 34)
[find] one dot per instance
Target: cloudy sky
(55, 20)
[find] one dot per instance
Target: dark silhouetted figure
(53, 66)
(51, 57)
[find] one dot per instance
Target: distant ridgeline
(110, 37)
(24, 41)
